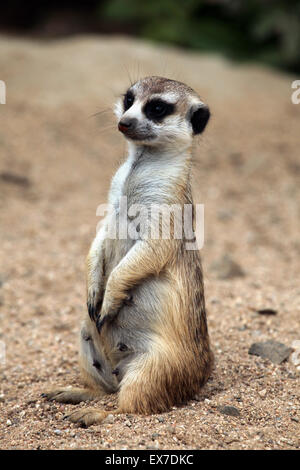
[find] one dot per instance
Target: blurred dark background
(266, 31)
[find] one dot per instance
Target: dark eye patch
(128, 100)
(157, 110)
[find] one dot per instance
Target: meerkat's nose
(127, 124)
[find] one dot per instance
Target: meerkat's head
(156, 111)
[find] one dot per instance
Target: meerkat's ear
(199, 118)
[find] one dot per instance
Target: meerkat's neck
(162, 152)
(166, 157)
(164, 172)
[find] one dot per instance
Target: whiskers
(101, 112)
(111, 127)
(104, 121)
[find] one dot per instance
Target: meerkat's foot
(87, 416)
(69, 395)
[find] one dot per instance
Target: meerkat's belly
(131, 333)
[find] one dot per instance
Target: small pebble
(229, 410)
(171, 429)
(109, 419)
(273, 350)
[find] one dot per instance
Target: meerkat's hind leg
(72, 395)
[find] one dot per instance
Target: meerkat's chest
(145, 182)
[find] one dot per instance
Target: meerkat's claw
(103, 319)
(94, 305)
(99, 324)
(93, 310)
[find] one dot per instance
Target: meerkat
(145, 334)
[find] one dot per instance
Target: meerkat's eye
(156, 110)
(128, 100)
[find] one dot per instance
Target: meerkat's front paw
(94, 301)
(108, 312)
(110, 309)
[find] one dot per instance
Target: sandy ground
(55, 167)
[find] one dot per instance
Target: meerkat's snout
(127, 125)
